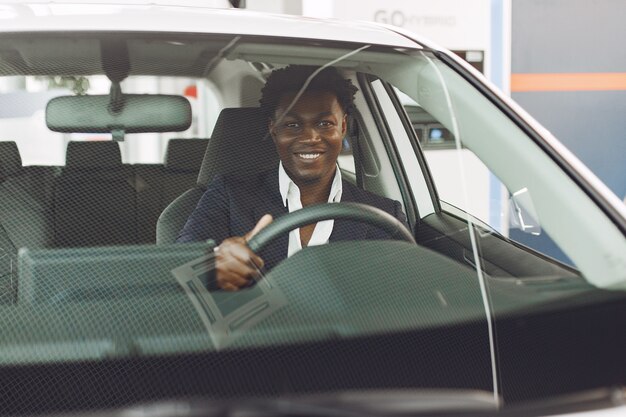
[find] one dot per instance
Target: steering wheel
(347, 211)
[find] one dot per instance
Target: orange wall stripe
(599, 81)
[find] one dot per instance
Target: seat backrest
(10, 160)
(25, 212)
(183, 160)
(240, 143)
(95, 197)
(10, 166)
(158, 185)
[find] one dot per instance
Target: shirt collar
(285, 184)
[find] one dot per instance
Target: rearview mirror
(140, 114)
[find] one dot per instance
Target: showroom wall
(568, 65)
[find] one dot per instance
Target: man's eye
(292, 125)
(326, 123)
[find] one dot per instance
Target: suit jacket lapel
(272, 203)
(345, 229)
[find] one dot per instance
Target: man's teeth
(308, 155)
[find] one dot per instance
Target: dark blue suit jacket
(232, 205)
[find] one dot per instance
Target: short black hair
(293, 77)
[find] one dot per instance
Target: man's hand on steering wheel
(235, 263)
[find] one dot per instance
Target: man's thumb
(263, 221)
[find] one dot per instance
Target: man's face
(309, 136)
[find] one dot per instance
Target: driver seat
(240, 144)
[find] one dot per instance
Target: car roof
(136, 16)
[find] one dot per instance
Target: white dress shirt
(291, 199)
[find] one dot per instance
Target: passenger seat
(158, 185)
(26, 218)
(95, 198)
(182, 164)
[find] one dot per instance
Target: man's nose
(310, 134)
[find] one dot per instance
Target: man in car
(307, 110)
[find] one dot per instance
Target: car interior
(95, 199)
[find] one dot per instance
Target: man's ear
(344, 126)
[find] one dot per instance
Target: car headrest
(240, 143)
(101, 154)
(185, 155)
(10, 160)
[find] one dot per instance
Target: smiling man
(307, 111)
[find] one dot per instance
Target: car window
(494, 177)
(466, 185)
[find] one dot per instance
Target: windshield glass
(117, 230)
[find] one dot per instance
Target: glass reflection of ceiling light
(176, 43)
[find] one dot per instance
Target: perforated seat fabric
(95, 198)
(240, 143)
